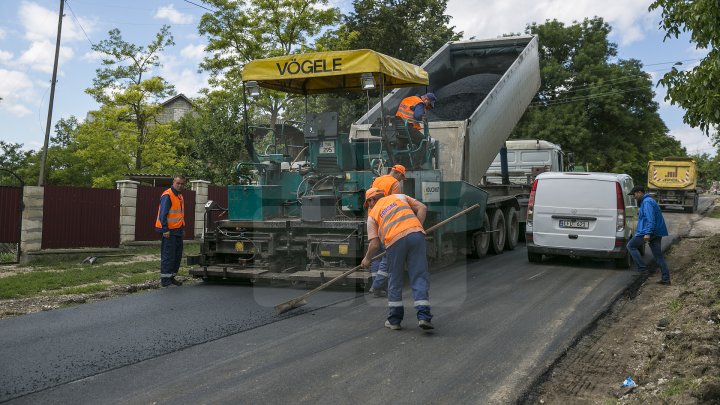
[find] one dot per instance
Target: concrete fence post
(32, 220)
(128, 209)
(201, 188)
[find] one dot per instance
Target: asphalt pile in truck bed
(459, 99)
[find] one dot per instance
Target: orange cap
(399, 168)
(372, 192)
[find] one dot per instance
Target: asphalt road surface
(500, 321)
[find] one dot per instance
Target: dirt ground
(666, 338)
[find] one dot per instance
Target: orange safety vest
(393, 216)
(176, 215)
(385, 183)
(405, 110)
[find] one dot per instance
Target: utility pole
(43, 159)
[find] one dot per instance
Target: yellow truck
(673, 181)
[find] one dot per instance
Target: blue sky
(28, 29)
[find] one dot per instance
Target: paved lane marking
(539, 274)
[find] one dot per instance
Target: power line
(78, 22)
(200, 5)
(582, 98)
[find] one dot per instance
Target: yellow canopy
(325, 72)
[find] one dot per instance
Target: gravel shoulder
(665, 338)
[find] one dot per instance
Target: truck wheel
(481, 240)
(534, 257)
(512, 227)
(497, 224)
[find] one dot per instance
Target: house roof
(176, 97)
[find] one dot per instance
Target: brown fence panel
(148, 199)
(75, 217)
(10, 214)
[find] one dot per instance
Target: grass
(677, 386)
(7, 257)
(52, 276)
(715, 213)
(675, 305)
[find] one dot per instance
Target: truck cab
(526, 159)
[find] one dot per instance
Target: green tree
(241, 31)
(696, 90)
(408, 30)
(603, 112)
(18, 161)
(120, 83)
(215, 143)
(708, 168)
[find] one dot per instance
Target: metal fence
(75, 217)
(10, 214)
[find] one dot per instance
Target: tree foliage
(408, 30)
(120, 83)
(214, 134)
(708, 168)
(696, 90)
(603, 112)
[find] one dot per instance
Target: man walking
(170, 223)
(396, 220)
(389, 184)
(650, 228)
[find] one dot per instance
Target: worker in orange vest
(414, 108)
(170, 222)
(389, 184)
(396, 222)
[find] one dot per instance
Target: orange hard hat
(372, 192)
(399, 168)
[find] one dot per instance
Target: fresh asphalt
(500, 321)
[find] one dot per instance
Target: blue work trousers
(408, 251)
(655, 247)
(378, 269)
(171, 250)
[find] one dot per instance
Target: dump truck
(299, 217)
(673, 182)
(482, 88)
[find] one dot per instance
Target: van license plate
(574, 223)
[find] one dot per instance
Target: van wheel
(623, 262)
(534, 257)
(512, 228)
(481, 240)
(497, 224)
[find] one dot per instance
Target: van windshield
(576, 192)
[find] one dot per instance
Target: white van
(581, 215)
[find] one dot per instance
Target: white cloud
(693, 140)
(193, 52)
(185, 80)
(40, 24)
(40, 56)
(174, 16)
(3, 33)
(5, 56)
(93, 56)
(629, 19)
(16, 88)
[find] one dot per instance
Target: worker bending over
(389, 184)
(396, 220)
